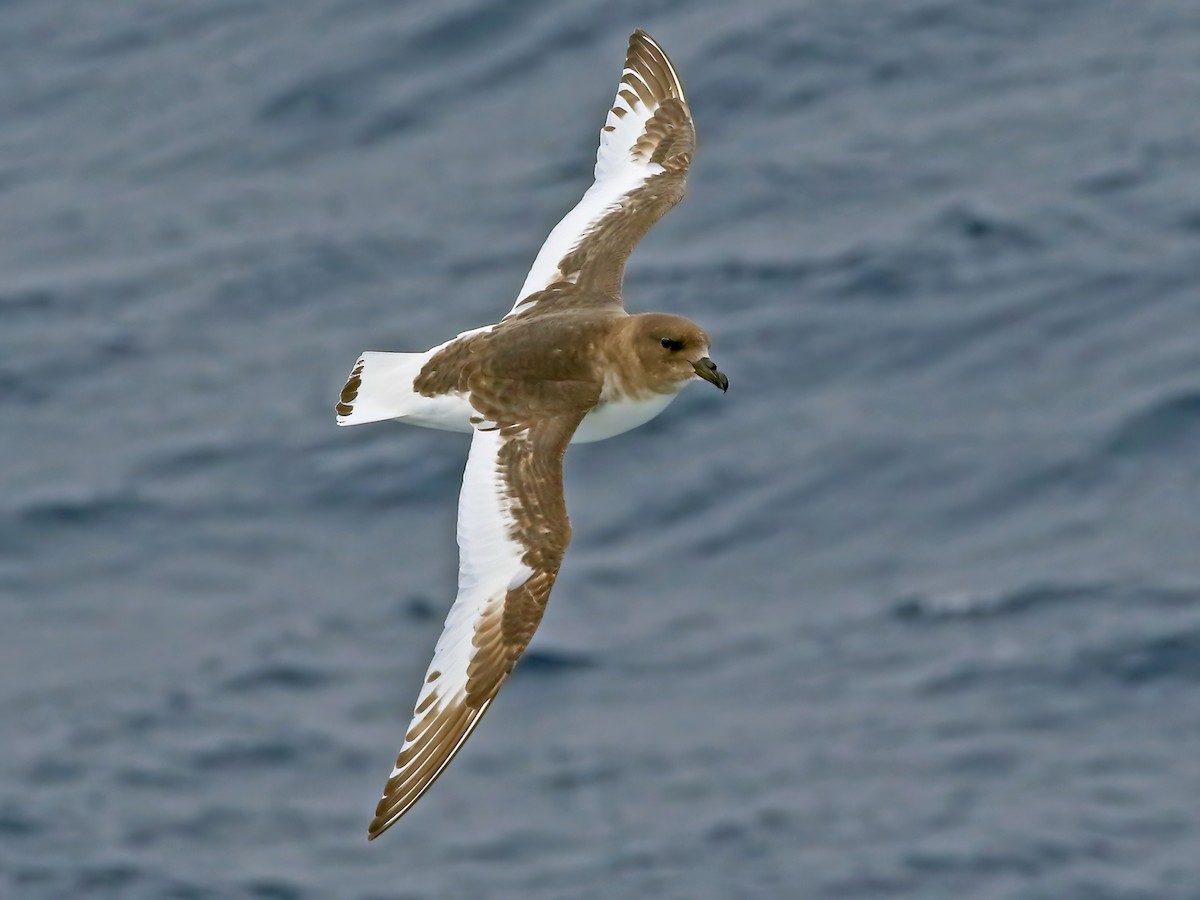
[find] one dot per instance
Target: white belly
(617, 417)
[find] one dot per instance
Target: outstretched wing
(645, 149)
(512, 533)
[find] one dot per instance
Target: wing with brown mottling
(512, 533)
(646, 146)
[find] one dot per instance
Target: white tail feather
(381, 387)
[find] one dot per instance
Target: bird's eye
(671, 345)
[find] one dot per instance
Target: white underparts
(610, 418)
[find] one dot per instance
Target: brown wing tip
(647, 57)
(443, 737)
(380, 824)
(642, 35)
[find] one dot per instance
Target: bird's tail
(380, 387)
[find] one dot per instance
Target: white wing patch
(490, 563)
(619, 171)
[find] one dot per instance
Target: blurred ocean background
(912, 612)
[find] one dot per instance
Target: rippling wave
(911, 612)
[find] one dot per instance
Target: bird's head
(671, 350)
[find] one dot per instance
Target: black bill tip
(707, 370)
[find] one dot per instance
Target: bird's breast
(612, 417)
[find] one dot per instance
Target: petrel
(567, 364)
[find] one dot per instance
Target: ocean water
(912, 612)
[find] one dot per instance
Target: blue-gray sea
(912, 612)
